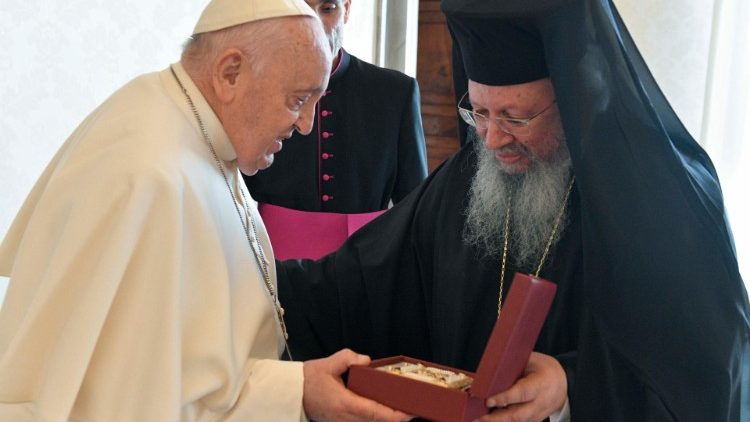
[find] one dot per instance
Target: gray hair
(254, 39)
(260, 41)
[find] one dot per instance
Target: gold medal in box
(430, 374)
(441, 393)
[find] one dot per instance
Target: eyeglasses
(514, 126)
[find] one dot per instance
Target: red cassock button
(327, 177)
(326, 198)
(325, 113)
(325, 156)
(327, 135)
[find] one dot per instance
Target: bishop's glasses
(514, 126)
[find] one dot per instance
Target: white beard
(535, 196)
(336, 38)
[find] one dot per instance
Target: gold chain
(260, 257)
(547, 247)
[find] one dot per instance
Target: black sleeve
(369, 295)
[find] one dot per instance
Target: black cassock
(651, 318)
(407, 284)
(366, 147)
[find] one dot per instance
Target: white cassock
(134, 295)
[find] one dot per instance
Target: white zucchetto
(220, 14)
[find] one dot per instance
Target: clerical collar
(216, 132)
(342, 67)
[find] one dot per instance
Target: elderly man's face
(334, 14)
(275, 101)
(516, 153)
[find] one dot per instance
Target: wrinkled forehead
(306, 62)
(304, 37)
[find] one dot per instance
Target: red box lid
(514, 335)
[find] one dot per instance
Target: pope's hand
(325, 397)
(541, 391)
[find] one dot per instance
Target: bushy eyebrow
(504, 112)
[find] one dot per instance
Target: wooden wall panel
(436, 84)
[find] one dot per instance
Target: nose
(496, 138)
(305, 120)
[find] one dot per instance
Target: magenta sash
(309, 234)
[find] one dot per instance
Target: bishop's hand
(541, 391)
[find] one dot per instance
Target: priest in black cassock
(366, 147)
(581, 171)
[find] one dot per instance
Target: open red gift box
(503, 362)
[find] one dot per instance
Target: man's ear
(347, 7)
(225, 74)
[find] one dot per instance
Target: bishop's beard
(535, 196)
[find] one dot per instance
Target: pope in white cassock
(142, 282)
